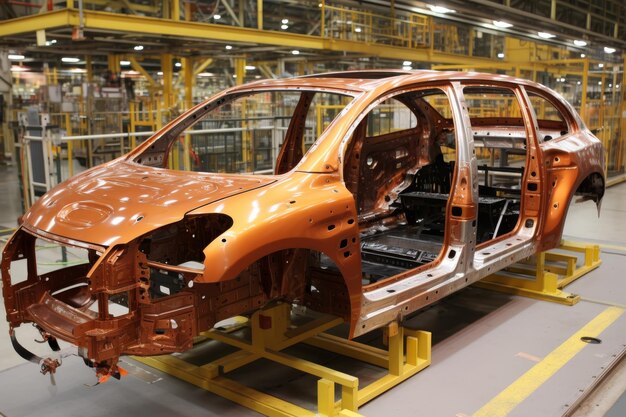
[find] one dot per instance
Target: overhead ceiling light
(178, 65)
(295, 52)
(124, 63)
(217, 16)
(284, 21)
(159, 72)
(70, 60)
(284, 27)
(407, 63)
(609, 50)
(440, 9)
(577, 82)
(228, 47)
(578, 42)
(257, 76)
(250, 67)
(407, 68)
(501, 55)
(16, 57)
(502, 24)
(18, 68)
(599, 82)
(78, 70)
(546, 35)
(206, 74)
(138, 48)
(582, 55)
(600, 65)
(357, 29)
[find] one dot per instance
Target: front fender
(305, 210)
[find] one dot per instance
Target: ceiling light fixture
(16, 57)
(600, 65)
(284, 21)
(440, 9)
(217, 16)
(138, 48)
(501, 55)
(295, 52)
(250, 67)
(582, 55)
(546, 35)
(70, 60)
(284, 27)
(407, 68)
(357, 29)
(580, 43)
(159, 72)
(501, 24)
(178, 65)
(609, 50)
(228, 47)
(407, 63)
(206, 74)
(124, 63)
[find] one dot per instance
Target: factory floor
(474, 334)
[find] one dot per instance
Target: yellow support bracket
(545, 275)
(271, 331)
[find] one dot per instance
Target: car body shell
(109, 208)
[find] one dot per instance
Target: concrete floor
(463, 376)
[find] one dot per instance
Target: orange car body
(252, 236)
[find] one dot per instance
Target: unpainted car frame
(257, 238)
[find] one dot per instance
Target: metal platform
(493, 354)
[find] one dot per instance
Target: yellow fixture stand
(271, 332)
(545, 275)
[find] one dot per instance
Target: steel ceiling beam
(184, 30)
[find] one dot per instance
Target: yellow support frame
(271, 332)
(545, 275)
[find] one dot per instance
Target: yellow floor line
(518, 391)
(609, 246)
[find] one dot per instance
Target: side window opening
(399, 166)
(500, 142)
(259, 132)
(550, 119)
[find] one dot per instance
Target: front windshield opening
(260, 132)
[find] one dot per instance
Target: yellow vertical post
(187, 7)
(325, 398)
(167, 69)
(246, 137)
(176, 9)
(70, 4)
(396, 348)
(322, 17)
(113, 62)
(168, 98)
(89, 68)
(259, 14)
(583, 98)
(189, 81)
